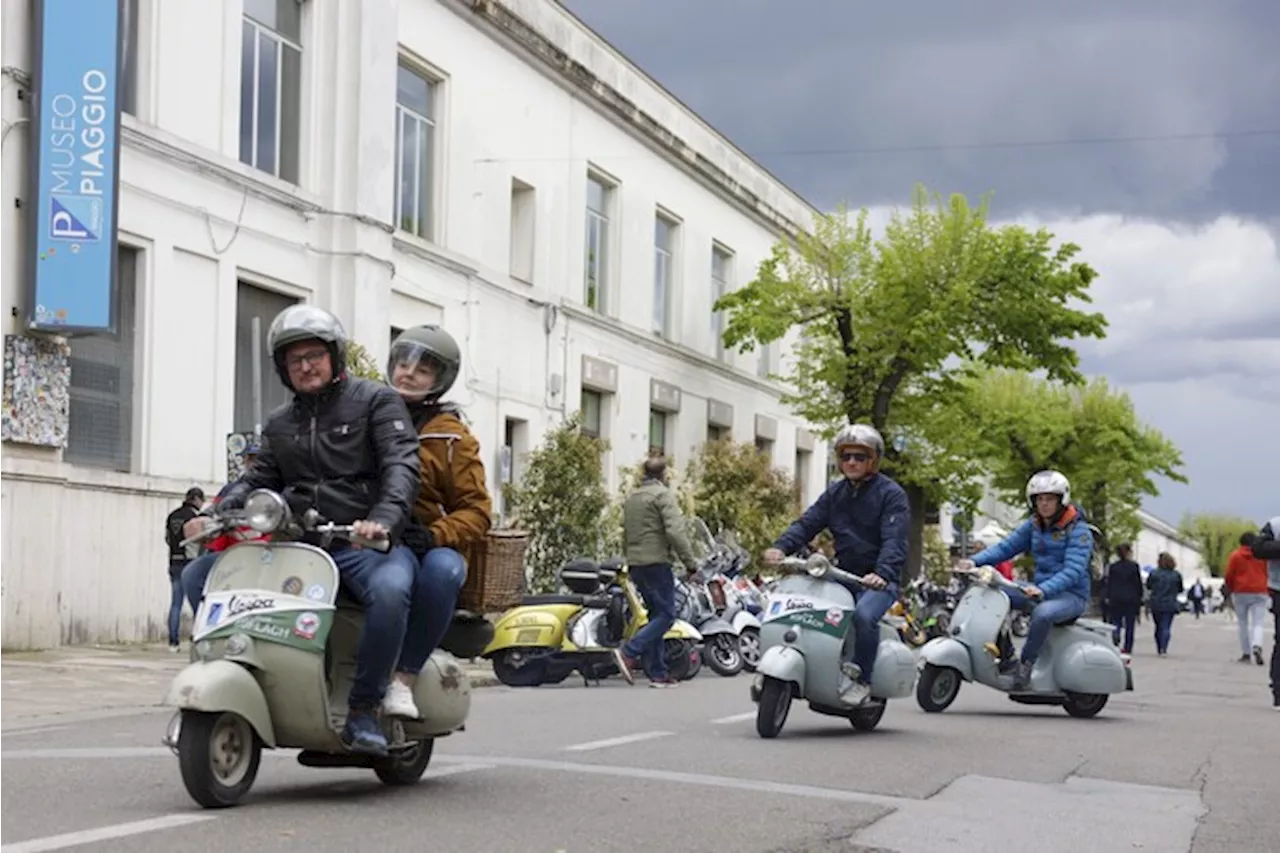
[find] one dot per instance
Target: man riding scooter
(1058, 537)
(345, 447)
(453, 511)
(868, 515)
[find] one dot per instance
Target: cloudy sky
(1147, 131)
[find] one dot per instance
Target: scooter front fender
(682, 630)
(742, 620)
(948, 652)
(785, 663)
(716, 626)
(220, 685)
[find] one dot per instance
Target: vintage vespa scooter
(273, 659)
(808, 622)
(1079, 668)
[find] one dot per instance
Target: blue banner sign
(76, 128)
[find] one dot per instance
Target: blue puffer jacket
(1061, 552)
(868, 521)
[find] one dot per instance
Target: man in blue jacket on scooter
(1059, 539)
(868, 516)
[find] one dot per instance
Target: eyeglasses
(855, 456)
(313, 358)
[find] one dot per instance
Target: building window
(396, 332)
(803, 460)
(100, 432)
(765, 365)
(592, 408)
(764, 447)
(717, 433)
(271, 86)
(720, 260)
(664, 231)
(255, 309)
(129, 57)
(523, 222)
(599, 197)
(659, 422)
(415, 152)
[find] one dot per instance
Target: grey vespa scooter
(273, 660)
(808, 620)
(1079, 668)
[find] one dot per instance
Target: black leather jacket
(350, 452)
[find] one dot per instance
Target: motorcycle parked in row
(273, 660)
(808, 624)
(1079, 668)
(546, 638)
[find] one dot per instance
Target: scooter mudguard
(742, 620)
(442, 693)
(220, 685)
(716, 626)
(1090, 668)
(682, 630)
(538, 626)
(947, 652)
(785, 663)
(894, 675)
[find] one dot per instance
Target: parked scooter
(742, 600)
(273, 660)
(1078, 669)
(721, 649)
(808, 623)
(546, 638)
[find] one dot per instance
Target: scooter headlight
(265, 511)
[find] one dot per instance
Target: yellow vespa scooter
(546, 638)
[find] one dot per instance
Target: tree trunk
(915, 534)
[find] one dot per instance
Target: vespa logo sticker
(307, 625)
(246, 604)
(798, 604)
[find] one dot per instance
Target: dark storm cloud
(786, 77)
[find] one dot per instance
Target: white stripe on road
(102, 833)
(617, 741)
(736, 718)
(36, 730)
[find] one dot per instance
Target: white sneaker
(856, 693)
(398, 701)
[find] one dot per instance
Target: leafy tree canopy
(1216, 535)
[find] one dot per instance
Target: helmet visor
(415, 370)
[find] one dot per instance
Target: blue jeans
(1164, 628)
(175, 602)
(870, 609)
(439, 579)
(657, 586)
(1124, 617)
(194, 576)
(1046, 614)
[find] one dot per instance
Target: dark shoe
(361, 734)
(1257, 655)
(1243, 659)
(663, 683)
(626, 665)
(1022, 677)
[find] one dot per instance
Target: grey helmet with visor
(424, 346)
(306, 323)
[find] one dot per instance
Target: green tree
(888, 328)
(735, 488)
(360, 363)
(1088, 432)
(1216, 535)
(561, 501)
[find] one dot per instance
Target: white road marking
(617, 741)
(455, 769)
(33, 731)
(736, 718)
(102, 833)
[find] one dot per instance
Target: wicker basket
(495, 572)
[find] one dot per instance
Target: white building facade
(494, 167)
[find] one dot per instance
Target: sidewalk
(109, 680)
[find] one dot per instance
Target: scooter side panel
(1082, 664)
(220, 685)
(947, 652)
(894, 675)
(293, 684)
(539, 626)
(716, 626)
(443, 696)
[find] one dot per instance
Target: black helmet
(425, 344)
(306, 323)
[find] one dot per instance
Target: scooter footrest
(312, 758)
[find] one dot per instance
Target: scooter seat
(565, 598)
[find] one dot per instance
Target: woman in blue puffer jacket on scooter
(1061, 543)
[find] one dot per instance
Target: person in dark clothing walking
(178, 557)
(1124, 595)
(1165, 584)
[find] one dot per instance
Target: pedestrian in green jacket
(653, 531)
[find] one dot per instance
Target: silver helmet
(1048, 483)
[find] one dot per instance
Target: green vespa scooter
(273, 659)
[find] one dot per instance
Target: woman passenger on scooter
(453, 511)
(1059, 540)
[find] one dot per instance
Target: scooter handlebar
(990, 577)
(798, 565)
(347, 531)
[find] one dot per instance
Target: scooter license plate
(528, 635)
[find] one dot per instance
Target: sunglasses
(855, 456)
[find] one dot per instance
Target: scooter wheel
(937, 688)
(724, 655)
(866, 719)
(775, 704)
(749, 644)
(1084, 705)
(218, 754)
(406, 766)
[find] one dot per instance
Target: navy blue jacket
(869, 522)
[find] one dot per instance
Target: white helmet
(1048, 483)
(860, 435)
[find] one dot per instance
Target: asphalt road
(1189, 761)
